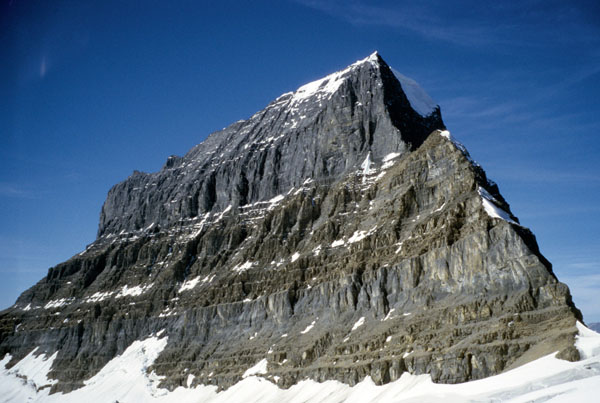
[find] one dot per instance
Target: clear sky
(92, 90)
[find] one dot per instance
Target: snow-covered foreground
(124, 379)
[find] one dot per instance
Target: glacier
(126, 379)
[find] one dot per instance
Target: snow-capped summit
(420, 101)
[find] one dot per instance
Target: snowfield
(125, 379)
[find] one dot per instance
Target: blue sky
(93, 90)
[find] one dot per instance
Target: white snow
(446, 134)
(338, 242)
(222, 214)
(31, 369)
(380, 176)
(328, 85)
(259, 368)
(125, 379)
(357, 236)
(388, 160)
(125, 375)
(295, 257)
(358, 323)
(57, 303)
(440, 208)
(208, 278)
(491, 209)
(127, 291)
(588, 342)
(322, 89)
(360, 235)
(98, 296)
(190, 379)
(168, 311)
(189, 284)
(243, 267)
(366, 167)
(390, 157)
(488, 201)
(420, 101)
(399, 247)
(276, 199)
(317, 250)
(309, 327)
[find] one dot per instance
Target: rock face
(338, 233)
(321, 132)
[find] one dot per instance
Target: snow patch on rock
(490, 207)
(258, 369)
(446, 134)
(309, 327)
(240, 268)
(358, 323)
(189, 284)
(329, 85)
(135, 291)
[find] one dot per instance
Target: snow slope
(323, 88)
(420, 101)
(124, 379)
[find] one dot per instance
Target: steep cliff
(338, 233)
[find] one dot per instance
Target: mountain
(594, 326)
(339, 233)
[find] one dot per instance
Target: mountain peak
(374, 58)
(321, 131)
(325, 87)
(328, 85)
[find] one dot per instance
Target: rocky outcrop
(336, 234)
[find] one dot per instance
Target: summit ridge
(331, 83)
